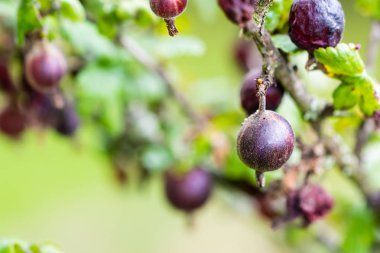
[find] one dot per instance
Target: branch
(150, 64)
(310, 106)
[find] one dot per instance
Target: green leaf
(344, 60)
(156, 158)
(28, 19)
(360, 232)
(368, 102)
(369, 8)
(277, 15)
(284, 43)
(85, 37)
(99, 91)
(73, 10)
(346, 96)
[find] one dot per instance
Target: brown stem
(309, 106)
(170, 25)
(260, 178)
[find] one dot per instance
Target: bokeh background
(61, 191)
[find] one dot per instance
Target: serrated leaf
(28, 19)
(284, 43)
(369, 7)
(344, 60)
(346, 96)
(368, 103)
(73, 10)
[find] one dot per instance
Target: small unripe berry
(45, 66)
(248, 94)
(12, 121)
(265, 141)
(316, 23)
(189, 191)
(168, 10)
(239, 12)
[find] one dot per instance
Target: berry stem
(261, 93)
(260, 177)
(170, 24)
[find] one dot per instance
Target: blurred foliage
(138, 125)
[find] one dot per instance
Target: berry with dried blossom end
(239, 12)
(12, 121)
(169, 10)
(248, 94)
(189, 191)
(45, 66)
(311, 202)
(316, 23)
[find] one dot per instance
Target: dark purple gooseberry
(311, 202)
(239, 12)
(168, 10)
(246, 55)
(316, 23)
(248, 94)
(67, 120)
(12, 121)
(265, 142)
(189, 191)
(45, 67)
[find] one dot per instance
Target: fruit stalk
(170, 25)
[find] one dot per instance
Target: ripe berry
(12, 121)
(248, 94)
(246, 55)
(265, 142)
(168, 10)
(45, 66)
(239, 12)
(190, 191)
(311, 202)
(316, 23)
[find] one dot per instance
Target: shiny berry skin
(246, 55)
(12, 121)
(239, 12)
(248, 94)
(190, 191)
(168, 10)
(45, 66)
(265, 141)
(311, 202)
(316, 23)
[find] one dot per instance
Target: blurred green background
(65, 192)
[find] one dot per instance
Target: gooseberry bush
(111, 68)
